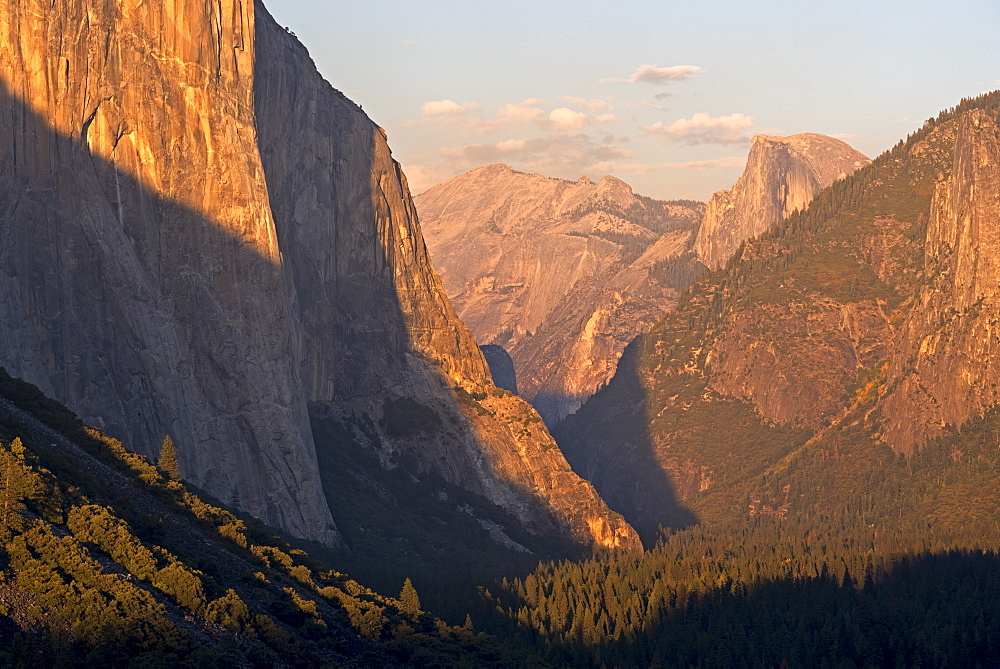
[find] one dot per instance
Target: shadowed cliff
(179, 264)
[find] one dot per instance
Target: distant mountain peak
(782, 175)
(559, 273)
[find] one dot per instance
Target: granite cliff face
(864, 323)
(561, 274)
(782, 175)
(208, 240)
(945, 370)
(142, 283)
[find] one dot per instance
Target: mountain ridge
(764, 359)
(560, 273)
(782, 175)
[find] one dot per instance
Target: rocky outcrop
(947, 367)
(561, 274)
(208, 240)
(782, 175)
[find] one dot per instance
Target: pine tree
(168, 458)
(408, 599)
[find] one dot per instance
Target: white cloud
(704, 129)
(650, 74)
(526, 111)
(606, 118)
(446, 108)
(531, 111)
(565, 118)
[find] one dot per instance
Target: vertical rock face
(782, 175)
(561, 274)
(141, 282)
(376, 324)
(204, 239)
(947, 366)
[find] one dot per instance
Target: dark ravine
(207, 240)
(501, 366)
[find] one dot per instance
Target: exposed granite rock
(501, 367)
(376, 321)
(142, 279)
(561, 274)
(806, 326)
(206, 239)
(947, 366)
(782, 175)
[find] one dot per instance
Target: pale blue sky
(521, 82)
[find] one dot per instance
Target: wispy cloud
(590, 104)
(650, 74)
(537, 152)
(446, 108)
(704, 129)
(464, 119)
(642, 168)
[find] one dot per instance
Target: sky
(663, 95)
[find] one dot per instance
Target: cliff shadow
(149, 317)
(608, 442)
(925, 610)
(411, 477)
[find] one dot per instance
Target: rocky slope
(947, 360)
(854, 330)
(561, 274)
(782, 175)
(208, 240)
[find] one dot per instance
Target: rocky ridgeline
(561, 274)
(782, 175)
(205, 239)
(865, 321)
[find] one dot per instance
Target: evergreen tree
(168, 458)
(408, 599)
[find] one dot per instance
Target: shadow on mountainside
(608, 442)
(401, 462)
(927, 610)
(147, 317)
